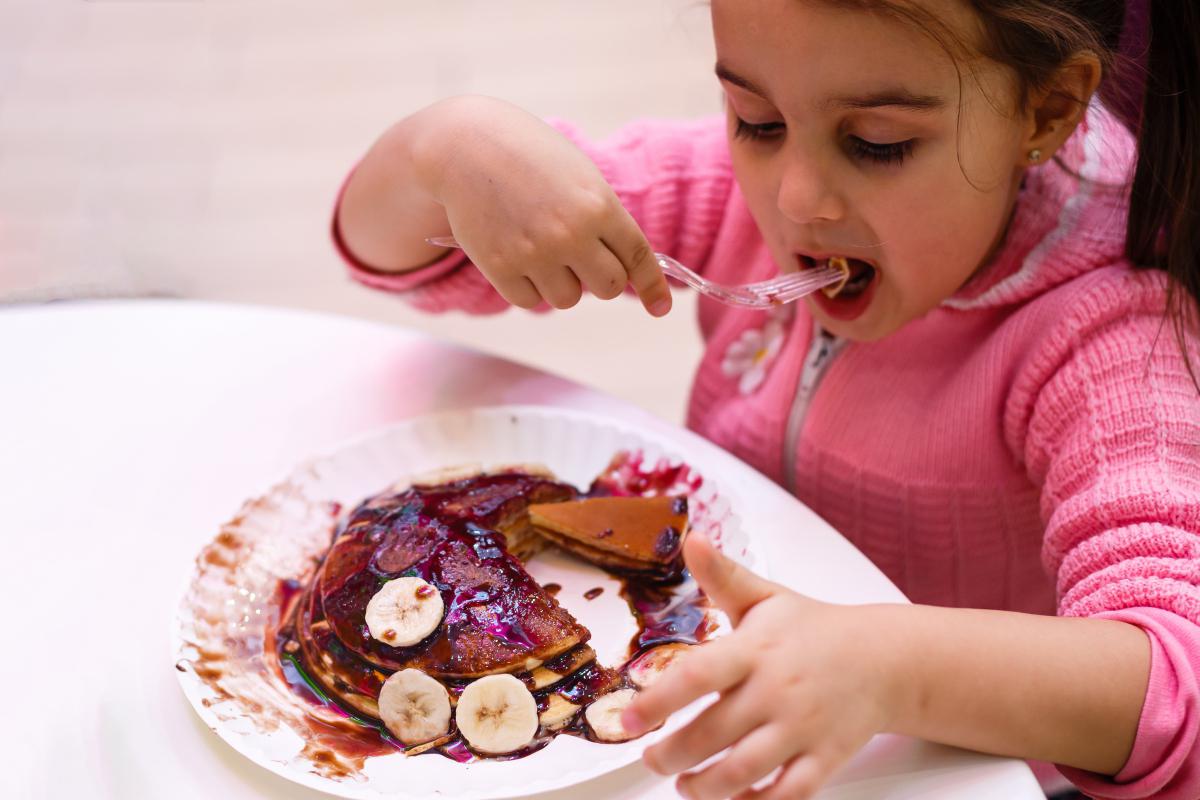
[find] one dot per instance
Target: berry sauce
(447, 536)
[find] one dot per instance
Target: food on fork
(838, 263)
(857, 276)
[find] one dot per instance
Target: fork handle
(673, 269)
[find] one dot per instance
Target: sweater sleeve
(674, 178)
(1107, 421)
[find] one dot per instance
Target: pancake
(497, 619)
(628, 534)
(457, 532)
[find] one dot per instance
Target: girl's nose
(806, 193)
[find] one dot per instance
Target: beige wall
(191, 148)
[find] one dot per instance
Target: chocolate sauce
(666, 617)
(587, 683)
(496, 614)
(445, 535)
(458, 751)
(562, 662)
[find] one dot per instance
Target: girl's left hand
(802, 684)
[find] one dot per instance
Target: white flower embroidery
(750, 356)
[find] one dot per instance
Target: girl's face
(852, 135)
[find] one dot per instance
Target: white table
(129, 431)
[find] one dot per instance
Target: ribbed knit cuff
(1164, 762)
(388, 281)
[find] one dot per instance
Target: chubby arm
(533, 212)
(388, 207)
(1057, 689)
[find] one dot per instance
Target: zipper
(823, 348)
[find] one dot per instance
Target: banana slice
(414, 707)
(527, 467)
(646, 669)
(604, 715)
(444, 475)
(559, 711)
(404, 611)
(497, 714)
(837, 262)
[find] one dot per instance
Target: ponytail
(1164, 208)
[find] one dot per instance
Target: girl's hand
(802, 684)
(533, 212)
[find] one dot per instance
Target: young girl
(998, 408)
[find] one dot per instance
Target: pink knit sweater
(1031, 444)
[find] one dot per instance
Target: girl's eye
(885, 153)
(755, 132)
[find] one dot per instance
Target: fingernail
(632, 723)
(660, 307)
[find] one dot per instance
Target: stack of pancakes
(463, 537)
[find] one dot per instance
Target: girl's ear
(1055, 109)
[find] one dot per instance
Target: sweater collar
(1070, 217)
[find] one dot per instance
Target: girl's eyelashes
(877, 152)
(756, 131)
(881, 153)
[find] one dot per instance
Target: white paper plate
(277, 536)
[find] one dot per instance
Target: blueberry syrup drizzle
(377, 553)
(628, 475)
(664, 616)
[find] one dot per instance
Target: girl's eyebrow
(900, 98)
(725, 74)
(896, 98)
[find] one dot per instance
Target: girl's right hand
(532, 212)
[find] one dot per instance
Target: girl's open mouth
(848, 299)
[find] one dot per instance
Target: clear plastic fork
(764, 294)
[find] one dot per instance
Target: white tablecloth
(130, 430)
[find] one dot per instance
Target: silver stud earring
(1035, 156)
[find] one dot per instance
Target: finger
(800, 779)
(732, 587)
(753, 758)
(519, 291)
(558, 285)
(629, 245)
(716, 728)
(714, 667)
(601, 272)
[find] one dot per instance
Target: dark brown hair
(1150, 57)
